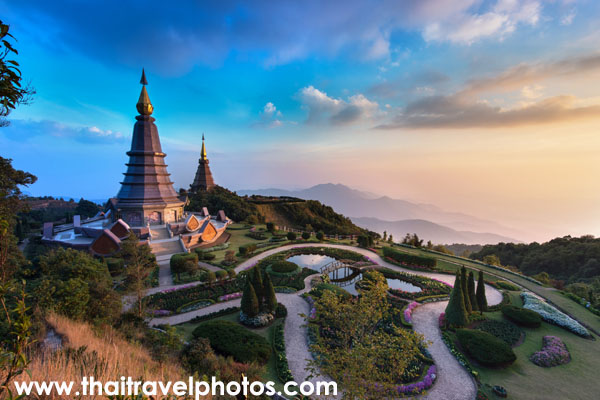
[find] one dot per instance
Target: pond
(345, 277)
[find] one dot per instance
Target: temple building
(147, 195)
(147, 205)
(203, 180)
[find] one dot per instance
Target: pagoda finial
(203, 151)
(144, 106)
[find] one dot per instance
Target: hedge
(497, 307)
(284, 266)
(409, 259)
(485, 348)
(214, 248)
(212, 315)
(522, 316)
(171, 300)
(178, 259)
(247, 249)
(231, 339)
(507, 286)
(194, 305)
(281, 364)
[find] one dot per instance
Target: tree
(271, 227)
(429, 245)
(305, 235)
(384, 236)
(249, 304)
(211, 277)
(465, 289)
(257, 281)
(391, 239)
(320, 236)
(270, 297)
(481, 299)
(291, 236)
(86, 208)
(492, 259)
(231, 273)
(472, 296)
(190, 266)
(139, 262)
(12, 92)
(357, 349)
(309, 228)
(456, 313)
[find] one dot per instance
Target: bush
(281, 364)
(503, 330)
(221, 274)
(230, 339)
(320, 236)
(507, 286)
(291, 236)
(247, 249)
(318, 290)
(172, 299)
(522, 316)
(280, 311)
(409, 259)
(207, 256)
(256, 235)
(305, 235)
(115, 265)
(284, 266)
(213, 315)
(178, 262)
(485, 348)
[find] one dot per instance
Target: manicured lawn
(270, 372)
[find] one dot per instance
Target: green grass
(270, 371)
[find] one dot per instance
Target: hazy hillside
(357, 204)
(427, 230)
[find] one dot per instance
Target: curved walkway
(453, 381)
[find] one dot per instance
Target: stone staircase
(165, 247)
(159, 233)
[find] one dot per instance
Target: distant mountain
(354, 203)
(429, 231)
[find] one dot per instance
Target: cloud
(28, 129)
(172, 40)
(466, 27)
(567, 19)
(270, 116)
(325, 109)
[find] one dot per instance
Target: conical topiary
(249, 301)
(481, 299)
(471, 287)
(270, 297)
(257, 282)
(456, 313)
(465, 289)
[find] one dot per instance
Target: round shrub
(208, 256)
(291, 236)
(284, 266)
(230, 339)
(280, 311)
(305, 235)
(485, 348)
(221, 274)
(507, 286)
(522, 316)
(503, 330)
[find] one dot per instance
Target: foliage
(184, 263)
(552, 315)
(270, 300)
(471, 291)
(76, 285)
(115, 265)
(247, 249)
(284, 266)
(291, 236)
(554, 352)
(281, 364)
(256, 235)
(460, 357)
(250, 305)
(412, 240)
(409, 259)
(213, 315)
(280, 311)
(464, 284)
(320, 236)
(358, 345)
(317, 290)
(485, 348)
(87, 208)
(171, 299)
(219, 198)
(507, 286)
(230, 339)
(456, 313)
(480, 294)
(12, 92)
(194, 305)
(568, 258)
(503, 330)
(365, 241)
(140, 262)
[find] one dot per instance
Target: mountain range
(398, 217)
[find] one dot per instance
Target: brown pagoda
(203, 180)
(147, 195)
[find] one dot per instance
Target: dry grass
(105, 356)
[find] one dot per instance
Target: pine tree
(456, 313)
(472, 297)
(249, 301)
(465, 288)
(270, 297)
(481, 299)
(257, 282)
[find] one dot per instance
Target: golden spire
(203, 151)
(143, 105)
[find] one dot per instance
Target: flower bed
(419, 387)
(230, 296)
(408, 311)
(284, 289)
(503, 330)
(194, 305)
(554, 352)
(172, 299)
(551, 315)
(281, 364)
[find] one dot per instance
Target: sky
(490, 108)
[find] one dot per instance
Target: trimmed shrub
(485, 348)
(456, 313)
(270, 298)
(247, 249)
(409, 259)
(503, 330)
(230, 339)
(249, 301)
(522, 316)
(507, 286)
(291, 236)
(280, 311)
(207, 256)
(281, 364)
(221, 274)
(305, 235)
(320, 236)
(257, 235)
(480, 293)
(213, 315)
(284, 266)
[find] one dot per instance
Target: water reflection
(345, 277)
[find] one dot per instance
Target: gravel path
(453, 381)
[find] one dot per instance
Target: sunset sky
(490, 108)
